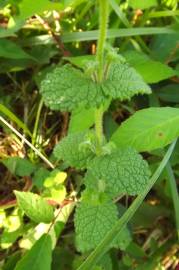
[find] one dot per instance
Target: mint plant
(110, 171)
(108, 167)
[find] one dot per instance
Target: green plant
(108, 167)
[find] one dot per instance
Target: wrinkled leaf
(67, 88)
(92, 222)
(76, 149)
(122, 172)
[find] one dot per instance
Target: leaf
(80, 61)
(9, 49)
(143, 65)
(148, 129)
(92, 222)
(39, 257)
(124, 82)
(81, 120)
(39, 177)
(140, 4)
(162, 46)
(169, 93)
(19, 166)
(67, 88)
(76, 149)
(123, 171)
(56, 177)
(27, 9)
(35, 207)
(8, 238)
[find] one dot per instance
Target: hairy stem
(99, 128)
(103, 22)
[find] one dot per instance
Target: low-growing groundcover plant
(107, 167)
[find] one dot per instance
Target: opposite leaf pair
(67, 88)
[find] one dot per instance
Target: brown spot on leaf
(160, 134)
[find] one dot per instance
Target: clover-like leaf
(76, 149)
(67, 88)
(124, 82)
(92, 223)
(122, 172)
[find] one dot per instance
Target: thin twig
(27, 142)
(52, 33)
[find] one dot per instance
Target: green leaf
(12, 260)
(123, 171)
(80, 61)
(67, 88)
(19, 166)
(143, 64)
(39, 257)
(92, 222)
(27, 9)
(124, 82)
(9, 237)
(76, 149)
(35, 207)
(169, 93)
(148, 129)
(140, 4)
(81, 120)
(9, 49)
(163, 45)
(39, 177)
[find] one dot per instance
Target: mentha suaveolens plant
(110, 171)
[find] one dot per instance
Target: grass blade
(174, 192)
(93, 35)
(115, 33)
(15, 119)
(119, 13)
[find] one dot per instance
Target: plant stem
(103, 22)
(34, 135)
(100, 250)
(99, 128)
